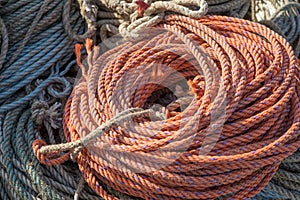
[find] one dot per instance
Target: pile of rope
(107, 18)
(125, 17)
(224, 138)
(36, 55)
(37, 73)
(283, 17)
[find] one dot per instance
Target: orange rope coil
(259, 92)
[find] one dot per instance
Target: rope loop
(47, 154)
(49, 159)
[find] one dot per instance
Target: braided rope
(34, 60)
(258, 71)
(36, 18)
(4, 42)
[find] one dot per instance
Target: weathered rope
(256, 82)
(282, 16)
(126, 17)
(4, 42)
(24, 64)
(285, 183)
(232, 8)
(34, 81)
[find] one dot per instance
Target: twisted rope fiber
(285, 19)
(285, 183)
(258, 71)
(35, 50)
(32, 61)
(30, 180)
(229, 7)
(125, 17)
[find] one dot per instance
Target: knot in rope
(149, 14)
(119, 16)
(129, 17)
(89, 12)
(227, 91)
(41, 112)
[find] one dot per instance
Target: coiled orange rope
(254, 94)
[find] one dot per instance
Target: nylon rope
(44, 97)
(260, 75)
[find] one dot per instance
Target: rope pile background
(124, 17)
(35, 57)
(37, 71)
(285, 19)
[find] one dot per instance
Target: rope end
(78, 48)
(142, 6)
(88, 45)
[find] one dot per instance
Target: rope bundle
(282, 16)
(254, 93)
(285, 183)
(27, 58)
(128, 17)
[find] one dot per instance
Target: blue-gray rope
(34, 60)
(36, 51)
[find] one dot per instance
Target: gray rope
(229, 7)
(66, 21)
(4, 42)
(119, 16)
(79, 188)
(34, 60)
(121, 117)
(35, 51)
(108, 16)
(281, 16)
(36, 45)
